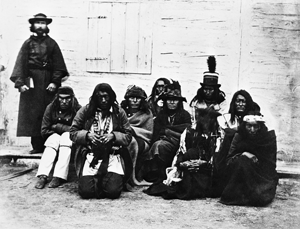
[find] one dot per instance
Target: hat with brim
(40, 17)
(210, 79)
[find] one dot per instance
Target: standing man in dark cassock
(37, 74)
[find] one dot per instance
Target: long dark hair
(93, 104)
(250, 104)
(206, 120)
(218, 95)
(153, 92)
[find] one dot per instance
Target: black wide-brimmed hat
(173, 91)
(210, 78)
(40, 17)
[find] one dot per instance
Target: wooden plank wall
(256, 43)
(270, 60)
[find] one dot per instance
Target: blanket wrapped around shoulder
(248, 182)
(142, 126)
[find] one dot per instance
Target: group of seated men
(154, 141)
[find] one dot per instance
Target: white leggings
(56, 145)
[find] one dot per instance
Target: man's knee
(86, 187)
(65, 140)
(112, 185)
(53, 141)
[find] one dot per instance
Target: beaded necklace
(171, 118)
(96, 123)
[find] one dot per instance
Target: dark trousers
(110, 186)
(37, 143)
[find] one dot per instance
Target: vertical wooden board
(132, 38)
(104, 37)
(118, 37)
(92, 44)
(145, 39)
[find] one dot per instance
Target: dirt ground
(23, 206)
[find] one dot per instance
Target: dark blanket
(165, 142)
(195, 183)
(250, 183)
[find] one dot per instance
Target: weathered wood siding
(256, 44)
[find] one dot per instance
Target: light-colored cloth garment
(202, 105)
(56, 146)
(114, 165)
(224, 123)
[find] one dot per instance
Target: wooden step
(18, 152)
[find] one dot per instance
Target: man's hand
(105, 138)
(23, 88)
(250, 156)
(93, 138)
(51, 87)
(96, 139)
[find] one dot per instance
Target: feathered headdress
(210, 77)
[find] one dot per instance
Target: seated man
(190, 176)
(141, 122)
(240, 105)
(158, 88)
(209, 94)
(168, 126)
(251, 176)
(101, 132)
(56, 125)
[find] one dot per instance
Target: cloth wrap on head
(253, 118)
(65, 90)
(135, 91)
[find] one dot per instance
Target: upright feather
(211, 62)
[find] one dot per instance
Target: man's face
(134, 102)
(252, 128)
(64, 101)
(160, 87)
(240, 104)
(40, 27)
(103, 100)
(208, 91)
(172, 104)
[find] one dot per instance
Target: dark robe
(42, 60)
(195, 183)
(250, 183)
(165, 142)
